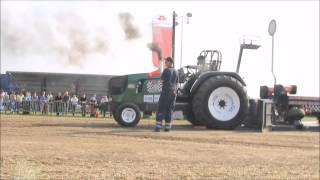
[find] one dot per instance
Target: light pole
(272, 30)
(188, 15)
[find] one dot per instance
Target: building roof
(58, 74)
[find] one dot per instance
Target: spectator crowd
(47, 103)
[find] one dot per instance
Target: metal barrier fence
(53, 108)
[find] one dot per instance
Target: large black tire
(221, 102)
(294, 114)
(195, 122)
(252, 120)
(114, 113)
(128, 115)
(188, 85)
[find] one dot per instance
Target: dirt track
(82, 148)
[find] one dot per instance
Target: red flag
(162, 35)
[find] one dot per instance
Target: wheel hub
(224, 103)
(128, 115)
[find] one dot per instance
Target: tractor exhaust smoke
(155, 48)
(62, 40)
(131, 31)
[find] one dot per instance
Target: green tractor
(207, 96)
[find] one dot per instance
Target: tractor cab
(209, 60)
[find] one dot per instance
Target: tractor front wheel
(128, 115)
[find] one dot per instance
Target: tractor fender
(204, 76)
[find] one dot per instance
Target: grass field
(36, 147)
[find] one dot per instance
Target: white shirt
(74, 100)
(104, 100)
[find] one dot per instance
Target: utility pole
(188, 15)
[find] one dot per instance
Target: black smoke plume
(155, 48)
(131, 31)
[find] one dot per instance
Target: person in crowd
(83, 102)
(66, 99)
(50, 99)
(58, 103)
(167, 98)
(43, 103)
(35, 102)
(93, 105)
(6, 101)
(74, 103)
(20, 97)
(28, 96)
(104, 105)
(1, 100)
(13, 101)
(27, 103)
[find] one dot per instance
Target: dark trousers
(83, 109)
(165, 107)
(26, 107)
(65, 108)
(73, 108)
(59, 107)
(104, 109)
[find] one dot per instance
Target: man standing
(93, 104)
(50, 102)
(58, 102)
(43, 103)
(66, 99)
(74, 103)
(19, 101)
(83, 102)
(13, 100)
(1, 100)
(167, 98)
(104, 105)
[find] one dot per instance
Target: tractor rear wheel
(221, 102)
(195, 122)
